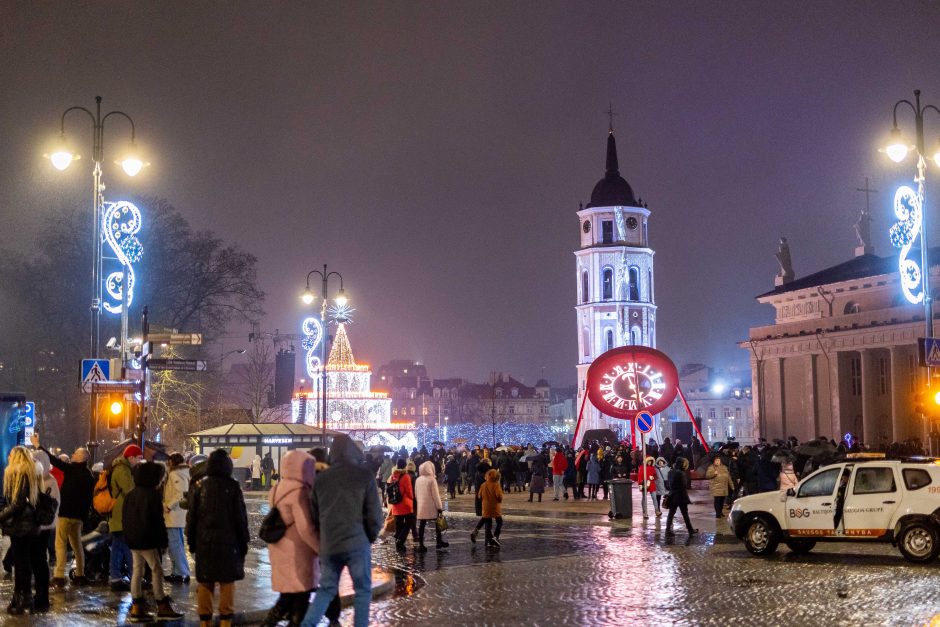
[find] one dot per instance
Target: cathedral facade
(616, 303)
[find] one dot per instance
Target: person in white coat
(256, 473)
(48, 485)
(177, 484)
(430, 505)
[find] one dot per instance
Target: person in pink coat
(295, 568)
(428, 497)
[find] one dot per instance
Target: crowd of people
(129, 524)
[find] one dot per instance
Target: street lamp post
(61, 158)
(308, 297)
(897, 149)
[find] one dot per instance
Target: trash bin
(621, 498)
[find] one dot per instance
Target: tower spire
(612, 165)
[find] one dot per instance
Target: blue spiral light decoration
(119, 226)
(907, 208)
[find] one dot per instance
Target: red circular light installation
(628, 380)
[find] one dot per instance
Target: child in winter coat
(146, 535)
(491, 496)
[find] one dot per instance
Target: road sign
(94, 370)
(28, 419)
(175, 338)
(192, 365)
(644, 422)
(929, 351)
(106, 387)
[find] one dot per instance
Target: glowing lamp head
(718, 388)
(117, 407)
(341, 299)
(896, 147)
(132, 164)
(936, 398)
(307, 296)
(936, 154)
(62, 157)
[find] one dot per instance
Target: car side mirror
(791, 492)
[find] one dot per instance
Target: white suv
(871, 501)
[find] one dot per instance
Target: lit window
(607, 284)
(610, 339)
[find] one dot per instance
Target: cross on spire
(610, 116)
(868, 192)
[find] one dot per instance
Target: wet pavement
(567, 564)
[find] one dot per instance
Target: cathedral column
(869, 420)
(898, 415)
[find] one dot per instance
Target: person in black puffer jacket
(217, 534)
(21, 484)
(678, 496)
(145, 534)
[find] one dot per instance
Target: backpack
(102, 500)
(393, 492)
(46, 509)
(273, 526)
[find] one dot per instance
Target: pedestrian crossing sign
(930, 352)
(94, 370)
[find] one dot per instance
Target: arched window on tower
(584, 286)
(610, 339)
(634, 283)
(635, 336)
(586, 342)
(607, 283)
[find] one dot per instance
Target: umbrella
(504, 449)
(815, 448)
(460, 440)
(382, 448)
(437, 443)
(782, 456)
(706, 460)
(550, 443)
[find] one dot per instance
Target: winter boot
(166, 611)
(139, 613)
(473, 535)
(225, 620)
(275, 615)
(16, 607)
(205, 620)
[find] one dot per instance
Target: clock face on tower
(631, 223)
(586, 226)
(627, 380)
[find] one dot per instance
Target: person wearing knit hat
(122, 482)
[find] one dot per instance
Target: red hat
(133, 450)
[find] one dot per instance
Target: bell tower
(616, 304)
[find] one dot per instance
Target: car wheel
(760, 537)
(918, 542)
(801, 547)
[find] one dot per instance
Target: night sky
(435, 153)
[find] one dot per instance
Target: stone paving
(566, 564)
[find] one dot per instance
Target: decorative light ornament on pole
(62, 157)
(911, 211)
(308, 297)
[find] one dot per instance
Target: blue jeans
(359, 562)
(120, 555)
(177, 551)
